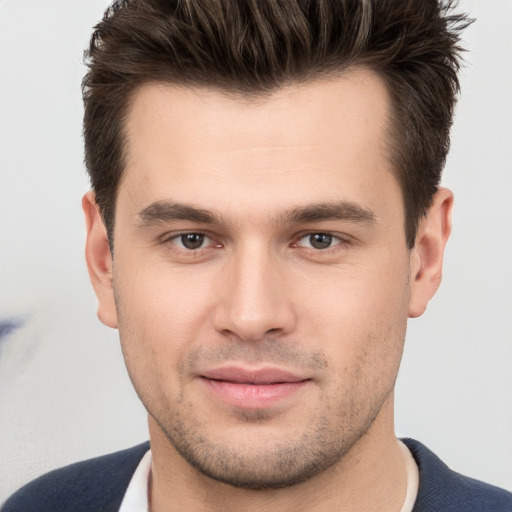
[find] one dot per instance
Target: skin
(257, 293)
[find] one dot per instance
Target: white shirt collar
(413, 479)
(136, 496)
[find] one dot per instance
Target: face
(261, 280)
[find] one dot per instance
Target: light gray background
(64, 393)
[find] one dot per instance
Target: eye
(318, 241)
(192, 241)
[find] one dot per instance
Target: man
(264, 341)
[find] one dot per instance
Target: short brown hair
(253, 47)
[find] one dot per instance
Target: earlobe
(99, 260)
(427, 254)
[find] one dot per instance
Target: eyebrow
(342, 210)
(168, 211)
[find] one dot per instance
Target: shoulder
(443, 489)
(93, 485)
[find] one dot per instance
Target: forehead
(297, 145)
(228, 121)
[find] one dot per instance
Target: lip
(253, 388)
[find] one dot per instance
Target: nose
(254, 301)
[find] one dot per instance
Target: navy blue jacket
(98, 485)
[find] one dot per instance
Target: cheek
(361, 315)
(161, 318)
(162, 301)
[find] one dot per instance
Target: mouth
(253, 389)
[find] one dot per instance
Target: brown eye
(320, 241)
(191, 241)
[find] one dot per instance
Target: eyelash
(341, 242)
(178, 236)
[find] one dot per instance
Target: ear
(427, 253)
(99, 260)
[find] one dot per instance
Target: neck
(370, 476)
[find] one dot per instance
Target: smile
(253, 389)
